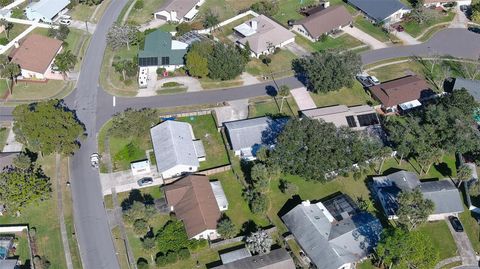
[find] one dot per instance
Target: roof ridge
(198, 202)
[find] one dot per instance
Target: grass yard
(271, 106)
(471, 228)
(3, 137)
(225, 9)
(205, 129)
(445, 169)
(3, 88)
(175, 90)
(16, 30)
(210, 84)
(85, 12)
(430, 32)
(415, 29)
(441, 238)
(342, 42)
(39, 90)
(281, 63)
(368, 27)
(44, 218)
(111, 80)
(145, 14)
(346, 96)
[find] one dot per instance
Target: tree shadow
(246, 167)
(443, 169)
(136, 195)
(248, 227)
(289, 205)
(271, 90)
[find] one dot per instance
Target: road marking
(114, 101)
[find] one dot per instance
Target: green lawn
(342, 42)
(429, 33)
(346, 96)
(471, 228)
(445, 169)
(43, 217)
(3, 137)
(174, 90)
(272, 107)
(82, 12)
(144, 15)
(111, 80)
(225, 9)
(16, 30)
(205, 129)
(210, 84)
(415, 29)
(441, 238)
(368, 27)
(39, 90)
(3, 88)
(281, 63)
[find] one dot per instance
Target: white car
(65, 16)
(66, 22)
(94, 160)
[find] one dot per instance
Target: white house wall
(303, 32)
(212, 234)
(177, 171)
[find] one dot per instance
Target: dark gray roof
(378, 9)
(276, 259)
(330, 243)
(403, 180)
(472, 86)
(257, 131)
(444, 195)
(235, 255)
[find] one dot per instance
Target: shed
(220, 196)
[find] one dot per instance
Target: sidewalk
(12, 145)
(364, 37)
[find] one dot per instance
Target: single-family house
(178, 10)
(193, 202)
(239, 259)
(246, 137)
(45, 10)
(7, 158)
(381, 11)
(443, 193)
(176, 150)
(323, 22)
(472, 87)
(263, 35)
(161, 51)
(35, 54)
(437, 3)
(402, 94)
(220, 196)
(140, 167)
(334, 234)
(355, 117)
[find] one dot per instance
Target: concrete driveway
(124, 181)
(464, 246)
(297, 49)
(364, 37)
(406, 38)
(460, 20)
(80, 25)
(302, 98)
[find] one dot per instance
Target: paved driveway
(297, 49)
(302, 98)
(124, 181)
(464, 246)
(460, 20)
(364, 37)
(406, 38)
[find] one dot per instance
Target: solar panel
(351, 121)
(368, 119)
(148, 61)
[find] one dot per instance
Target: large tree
(259, 242)
(47, 127)
(127, 68)
(413, 209)
(9, 71)
(328, 70)
(312, 148)
(7, 26)
(61, 32)
(134, 122)
(196, 64)
(225, 62)
(407, 250)
(21, 188)
(172, 237)
(226, 228)
(120, 36)
(65, 61)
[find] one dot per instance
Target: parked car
(364, 80)
(456, 224)
(373, 80)
(400, 28)
(464, 8)
(66, 22)
(65, 16)
(94, 160)
(474, 29)
(145, 181)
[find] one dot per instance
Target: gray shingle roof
(378, 9)
(444, 195)
(472, 86)
(235, 255)
(276, 259)
(257, 131)
(8, 264)
(173, 145)
(329, 245)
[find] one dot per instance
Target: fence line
(240, 238)
(223, 23)
(188, 114)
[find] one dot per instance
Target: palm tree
(464, 173)
(9, 71)
(7, 27)
(284, 92)
(65, 61)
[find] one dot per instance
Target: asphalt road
(92, 230)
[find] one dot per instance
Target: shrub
(171, 257)
(160, 71)
(3, 41)
(138, 5)
(140, 226)
(142, 264)
(171, 84)
(161, 260)
(183, 254)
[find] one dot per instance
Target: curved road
(94, 107)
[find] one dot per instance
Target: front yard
(415, 29)
(342, 42)
(145, 14)
(369, 28)
(281, 64)
(346, 96)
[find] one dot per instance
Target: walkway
(192, 84)
(464, 246)
(119, 220)
(303, 99)
(12, 145)
(442, 263)
(364, 37)
(61, 214)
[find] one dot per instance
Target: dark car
(456, 224)
(145, 181)
(464, 8)
(474, 29)
(365, 81)
(400, 28)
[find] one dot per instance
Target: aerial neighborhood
(252, 134)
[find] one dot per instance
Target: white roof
(220, 196)
(173, 145)
(140, 165)
(48, 8)
(178, 45)
(410, 105)
(245, 29)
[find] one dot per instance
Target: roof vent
(306, 203)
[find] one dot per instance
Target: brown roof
(182, 7)
(326, 20)
(401, 90)
(36, 52)
(194, 203)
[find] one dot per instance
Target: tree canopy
(406, 250)
(413, 209)
(133, 122)
(225, 62)
(226, 228)
(196, 64)
(120, 36)
(21, 188)
(259, 242)
(328, 70)
(172, 237)
(268, 8)
(312, 148)
(47, 127)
